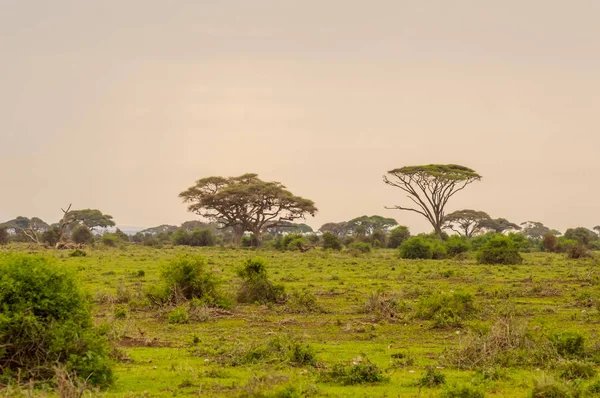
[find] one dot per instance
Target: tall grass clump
(256, 286)
(45, 321)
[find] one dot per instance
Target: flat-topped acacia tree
(430, 187)
(466, 222)
(246, 203)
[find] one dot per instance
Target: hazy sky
(121, 105)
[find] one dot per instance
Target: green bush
(432, 378)
(81, 234)
(302, 301)
(456, 245)
(462, 392)
(185, 278)
(202, 237)
(573, 369)
(281, 349)
(499, 250)
(110, 240)
(569, 344)
(549, 389)
(45, 320)
(256, 286)
(416, 247)
(360, 371)
(446, 309)
(331, 241)
(397, 236)
(179, 315)
(78, 253)
(360, 247)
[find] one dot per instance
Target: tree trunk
(238, 233)
(257, 238)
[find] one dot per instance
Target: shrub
(45, 320)
(438, 250)
(397, 236)
(432, 378)
(446, 309)
(282, 349)
(360, 247)
(78, 253)
(181, 237)
(120, 311)
(499, 250)
(549, 242)
(51, 236)
(302, 301)
(549, 389)
(456, 245)
(577, 251)
(4, 237)
(185, 278)
(110, 240)
(81, 234)
(256, 287)
(569, 344)
(179, 315)
(360, 371)
(202, 237)
(331, 241)
(382, 306)
(416, 247)
(298, 243)
(462, 392)
(572, 370)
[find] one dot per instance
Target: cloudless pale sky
(121, 105)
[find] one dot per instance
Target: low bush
(185, 278)
(432, 378)
(551, 389)
(280, 349)
(499, 250)
(383, 306)
(302, 301)
(78, 253)
(456, 245)
(573, 370)
(360, 371)
(45, 320)
(569, 344)
(331, 241)
(4, 236)
(416, 248)
(178, 316)
(81, 234)
(256, 286)
(360, 247)
(447, 309)
(462, 391)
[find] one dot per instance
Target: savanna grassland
(364, 325)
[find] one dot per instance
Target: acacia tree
(246, 203)
(336, 228)
(465, 222)
(498, 225)
(597, 229)
(91, 218)
(537, 230)
(368, 224)
(31, 228)
(430, 187)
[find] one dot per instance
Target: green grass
(158, 358)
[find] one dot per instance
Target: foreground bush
(256, 286)
(499, 250)
(45, 320)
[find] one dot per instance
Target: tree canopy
(536, 230)
(499, 225)
(336, 228)
(367, 224)
(465, 222)
(430, 187)
(91, 218)
(246, 203)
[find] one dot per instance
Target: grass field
(404, 316)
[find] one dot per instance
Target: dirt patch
(142, 342)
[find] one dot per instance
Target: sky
(120, 105)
